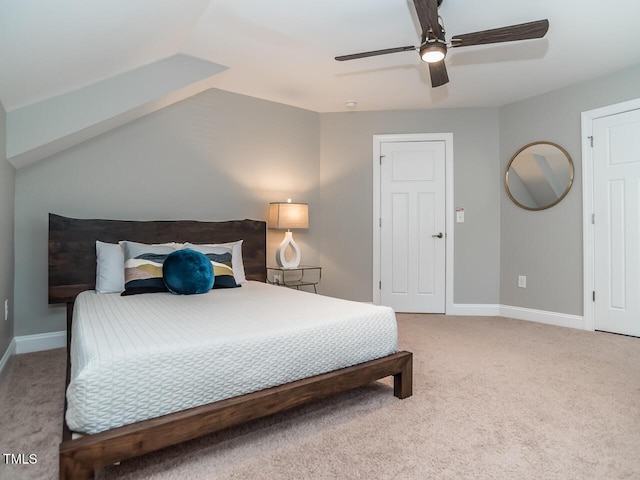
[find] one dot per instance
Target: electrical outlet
(6, 310)
(522, 281)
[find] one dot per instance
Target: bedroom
(323, 159)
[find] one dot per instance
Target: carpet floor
(493, 398)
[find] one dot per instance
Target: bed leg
(403, 381)
(73, 470)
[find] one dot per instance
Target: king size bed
(149, 371)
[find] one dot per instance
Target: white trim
(474, 309)
(449, 209)
(542, 316)
(518, 313)
(588, 281)
(7, 355)
(40, 341)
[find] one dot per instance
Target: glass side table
(300, 276)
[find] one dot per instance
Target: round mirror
(539, 175)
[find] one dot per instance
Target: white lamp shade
(284, 215)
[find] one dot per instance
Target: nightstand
(296, 277)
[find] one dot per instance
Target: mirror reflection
(539, 175)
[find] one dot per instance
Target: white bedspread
(142, 356)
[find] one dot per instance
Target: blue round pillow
(187, 272)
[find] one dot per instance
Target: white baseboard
(7, 355)
(519, 313)
(480, 309)
(542, 316)
(41, 341)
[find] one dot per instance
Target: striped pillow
(221, 260)
(236, 256)
(143, 267)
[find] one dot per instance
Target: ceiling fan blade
(374, 53)
(427, 11)
(438, 72)
(523, 31)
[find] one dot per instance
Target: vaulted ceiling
(283, 50)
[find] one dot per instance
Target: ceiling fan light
(433, 52)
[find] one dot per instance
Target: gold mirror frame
(524, 157)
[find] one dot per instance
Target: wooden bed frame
(72, 269)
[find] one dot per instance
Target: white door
(616, 201)
(412, 238)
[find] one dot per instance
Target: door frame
(588, 232)
(447, 138)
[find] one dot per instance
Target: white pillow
(236, 256)
(110, 266)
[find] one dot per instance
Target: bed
(72, 262)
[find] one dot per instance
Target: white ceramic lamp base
(281, 259)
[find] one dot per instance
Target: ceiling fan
(433, 44)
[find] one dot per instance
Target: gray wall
(215, 156)
(7, 188)
(219, 156)
(546, 246)
(346, 185)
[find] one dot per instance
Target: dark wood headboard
(72, 250)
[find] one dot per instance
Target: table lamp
(287, 215)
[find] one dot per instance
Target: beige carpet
(493, 398)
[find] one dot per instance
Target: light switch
(459, 214)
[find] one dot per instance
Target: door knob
(439, 235)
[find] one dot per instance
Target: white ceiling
(282, 50)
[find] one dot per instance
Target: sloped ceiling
(48, 48)
(282, 50)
